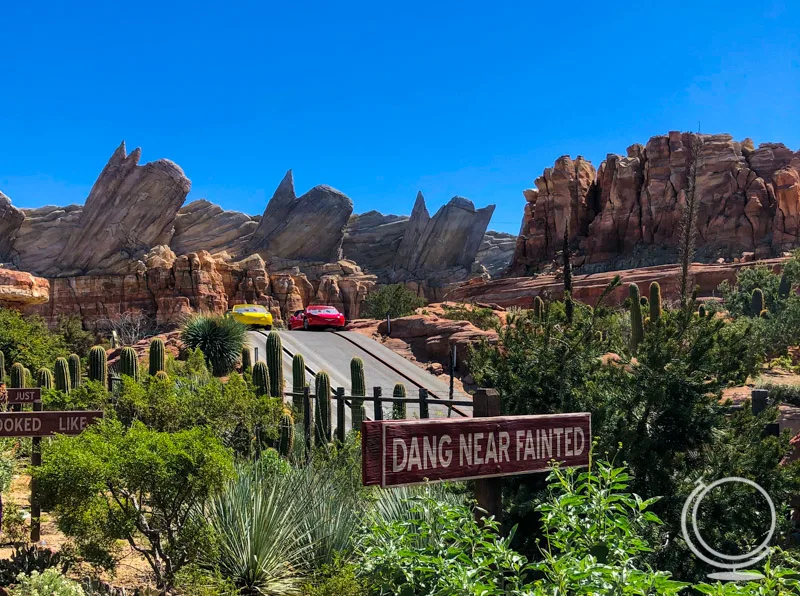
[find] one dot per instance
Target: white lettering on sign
(71, 423)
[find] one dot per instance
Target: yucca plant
(220, 338)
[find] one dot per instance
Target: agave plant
(220, 338)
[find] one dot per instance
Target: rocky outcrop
(628, 212)
(371, 239)
(10, 220)
(496, 252)
(42, 237)
(19, 289)
(130, 209)
(202, 225)
(310, 227)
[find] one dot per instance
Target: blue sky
(378, 99)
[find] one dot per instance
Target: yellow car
(252, 314)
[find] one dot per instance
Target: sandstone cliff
(627, 212)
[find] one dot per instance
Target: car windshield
(329, 310)
(250, 308)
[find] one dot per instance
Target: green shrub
(482, 317)
(48, 583)
(220, 338)
(27, 340)
(76, 339)
(395, 300)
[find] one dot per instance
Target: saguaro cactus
(17, 375)
(757, 302)
(637, 324)
(261, 378)
(298, 381)
(322, 414)
(275, 363)
(44, 378)
(358, 389)
(399, 409)
(98, 365)
(538, 308)
(247, 364)
(2, 367)
(785, 286)
(75, 372)
(655, 302)
(286, 436)
(129, 363)
(701, 312)
(157, 355)
(62, 380)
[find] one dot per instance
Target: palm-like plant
(220, 338)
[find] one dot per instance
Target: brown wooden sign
(398, 452)
(21, 396)
(45, 424)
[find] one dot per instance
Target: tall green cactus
(785, 286)
(757, 302)
(655, 302)
(261, 378)
(247, 362)
(62, 380)
(17, 376)
(637, 324)
(322, 414)
(358, 389)
(2, 367)
(701, 312)
(98, 365)
(28, 378)
(399, 409)
(75, 370)
(157, 355)
(538, 308)
(298, 382)
(275, 363)
(129, 363)
(44, 378)
(286, 434)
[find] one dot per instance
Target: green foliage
(738, 296)
(655, 302)
(275, 364)
(27, 340)
(91, 395)
(75, 338)
(48, 583)
(399, 409)
(62, 378)
(756, 302)
(261, 378)
(322, 412)
(44, 378)
(27, 559)
(75, 370)
(336, 579)
(247, 359)
(637, 323)
(17, 375)
(220, 338)
(358, 389)
(136, 484)
(394, 300)
(98, 365)
(482, 317)
(778, 581)
(162, 375)
(299, 382)
(157, 355)
(129, 363)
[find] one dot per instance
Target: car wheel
(305, 324)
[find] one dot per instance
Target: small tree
(394, 300)
(137, 485)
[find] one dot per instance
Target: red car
(317, 315)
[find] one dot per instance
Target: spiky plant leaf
(220, 338)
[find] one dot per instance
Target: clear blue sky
(378, 99)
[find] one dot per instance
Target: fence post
(759, 400)
(453, 363)
(36, 461)
(341, 428)
(307, 420)
(376, 392)
(488, 491)
(388, 324)
(423, 403)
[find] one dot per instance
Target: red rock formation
(19, 289)
(749, 200)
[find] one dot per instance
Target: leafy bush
(110, 483)
(77, 340)
(395, 300)
(220, 338)
(737, 296)
(29, 559)
(47, 583)
(27, 340)
(482, 317)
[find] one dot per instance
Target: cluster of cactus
(129, 363)
(399, 408)
(655, 302)
(17, 376)
(62, 379)
(286, 433)
(75, 372)
(158, 356)
(261, 379)
(538, 308)
(358, 389)
(298, 382)
(44, 378)
(275, 364)
(322, 413)
(757, 306)
(98, 365)
(247, 363)
(637, 323)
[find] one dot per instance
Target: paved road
(331, 352)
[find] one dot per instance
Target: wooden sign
(22, 396)
(399, 452)
(45, 424)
